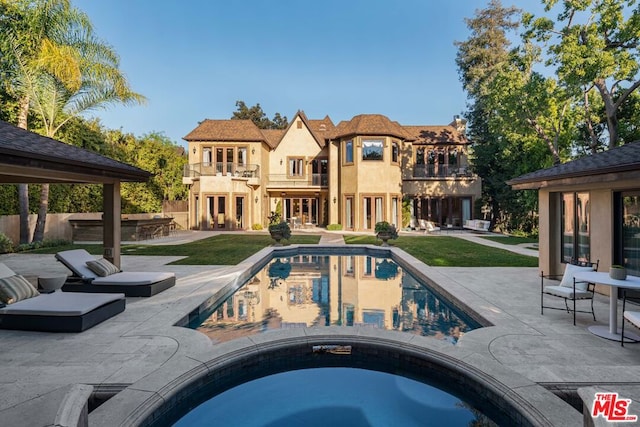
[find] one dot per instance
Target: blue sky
(194, 59)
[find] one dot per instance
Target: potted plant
(278, 229)
(385, 232)
(618, 272)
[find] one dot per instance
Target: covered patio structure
(29, 158)
(589, 209)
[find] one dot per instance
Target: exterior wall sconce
(253, 151)
(280, 161)
(256, 199)
(194, 150)
(335, 200)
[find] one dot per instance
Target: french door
(217, 212)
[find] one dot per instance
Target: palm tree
(61, 70)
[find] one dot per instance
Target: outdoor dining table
(610, 332)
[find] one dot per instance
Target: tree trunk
(611, 111)
(38, 233)
(23, 189)
(23, 201)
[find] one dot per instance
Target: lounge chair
(132, 284)
(568, 289)
(428, 226)
(631, 316)
(56, 311)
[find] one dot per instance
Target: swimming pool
(334, 397)
(505, 397)
(314, 289)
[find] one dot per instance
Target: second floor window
(296, 167)
(395, 152)
(348, 152)
(372, 150)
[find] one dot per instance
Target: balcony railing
(195, 170)
(313, 180)
(441, 171)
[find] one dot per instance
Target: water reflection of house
(354, 174)
(332, 290)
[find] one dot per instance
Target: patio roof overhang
(614, 165)
(26, 158)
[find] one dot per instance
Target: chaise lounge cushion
(132, 284)
(102, 267)
(16, 288)
(61, 304)
(133, 278)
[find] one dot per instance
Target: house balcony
(314, 181)
(442, 171)
(193, 171)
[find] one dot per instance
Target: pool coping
(139, 401)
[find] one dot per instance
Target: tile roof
(619, 159)
(273, 136)
(371, 124)
(19, 147)
(436, 135)
(226, 130)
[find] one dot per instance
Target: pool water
(325, 290)
(334, 397)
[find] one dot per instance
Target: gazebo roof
(26, 157)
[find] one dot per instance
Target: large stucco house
(316, 173)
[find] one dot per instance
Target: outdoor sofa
(57, 311)
(477, 225)
(105, 277)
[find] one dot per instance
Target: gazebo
(29, 158)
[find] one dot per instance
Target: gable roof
(436, 135)
(226, 130)
(26, 157)
(625, 158)
(370, 124)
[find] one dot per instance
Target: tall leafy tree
(61, 70)
(258, 116)
(594, 45)
(483, 59)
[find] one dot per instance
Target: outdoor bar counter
(90, 230)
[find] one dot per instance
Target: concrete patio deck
(38, 371)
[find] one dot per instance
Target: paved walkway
(38, 371)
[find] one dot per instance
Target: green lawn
(441, 251)
(224, 249)
(230, 249)
(511, 240)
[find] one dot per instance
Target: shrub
(256, 227)
(334, 227)
(6, 245)
(50, 243)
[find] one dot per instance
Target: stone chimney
(459, 124)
